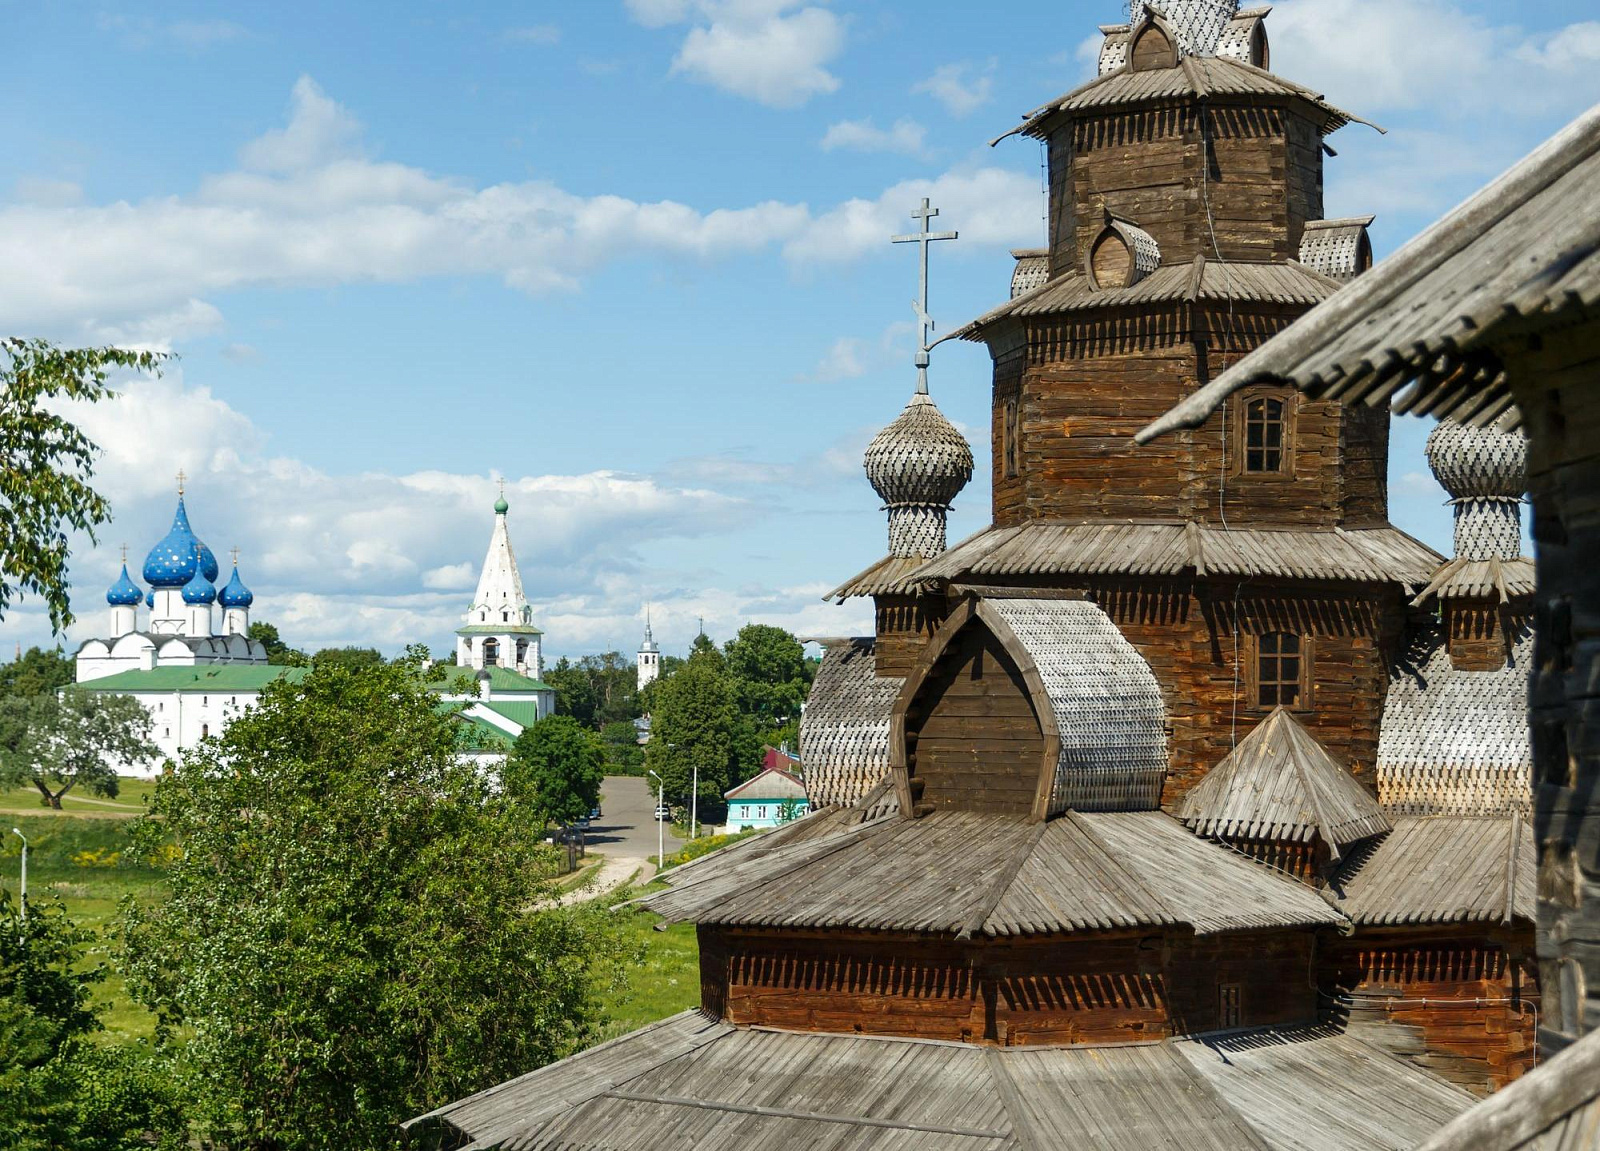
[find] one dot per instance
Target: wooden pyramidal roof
(1279, 783)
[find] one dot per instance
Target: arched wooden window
(491, 652)
(1266, 437)
(1280, 670)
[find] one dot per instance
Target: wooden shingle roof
(886, 577)
(1044, 547)
(963, 873)
(1418, 331)
(1203, 280)
(1443, 869)
(691, 1082)
(1492, 578)
(1455, 742)
(844, 731)
(1215, 78)
(1555, 1107)
(1280, 783)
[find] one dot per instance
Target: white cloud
(140, 33)
(961, 88)
(319, 132)
(45, 192)
(906, 136)
(842, 361)
(758, 49)
(451, 577)
(309, 207)
(541, 34)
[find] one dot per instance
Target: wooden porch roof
(694, 1082)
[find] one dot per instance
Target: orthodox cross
(181, 479)
(920, 306)
(234, 552)
(124, 555)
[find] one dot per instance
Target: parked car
(663, 812)
(594, 812)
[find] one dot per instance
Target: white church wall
(179, 720)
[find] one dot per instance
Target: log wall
(1460, 1004)
(1480, 633)
(1075, 456)
(904, 627)
(1093, 989)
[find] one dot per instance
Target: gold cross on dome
(502, 487)
(234, 552)
(124, 553)
(181, 479)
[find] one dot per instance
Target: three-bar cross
(920, 306)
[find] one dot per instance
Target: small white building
(770, 799)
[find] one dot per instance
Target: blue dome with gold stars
(174, 561)
(236, 594)
(124, 593)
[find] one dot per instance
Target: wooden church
(1185, 805)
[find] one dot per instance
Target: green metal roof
(523, 714)
(485, 735)
(461, 680)
(499, 629)
(213, 678)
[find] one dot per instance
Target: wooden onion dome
(918, 465)
(1485, 472)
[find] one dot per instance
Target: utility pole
(23, 904)
(661, 829)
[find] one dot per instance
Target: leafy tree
(574, 691)
(279, 654)
(76, 738)
(554, 770)
(36, 672)
(623, 754)
(44, 486)
(694, 722)
(347, 657)
(772, 678)
(58, 1088)
(595, 690)
(343, 916)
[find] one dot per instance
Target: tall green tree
(620, 741)
(772, 678)
(347, 657)
(72, 739)
(597, 689)
(279, 654)
(554, 770)
(37, 672)
(44, 485)
(354, 932)
(695, 722)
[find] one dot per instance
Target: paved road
(625, 833)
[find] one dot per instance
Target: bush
(705, 845)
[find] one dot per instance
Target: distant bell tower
(499, 629)
(649, 655)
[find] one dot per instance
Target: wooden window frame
(1239, 433)
(1223, 995)
(1252, 677)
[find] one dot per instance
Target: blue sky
(631, 256)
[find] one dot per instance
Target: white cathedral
(194, 666)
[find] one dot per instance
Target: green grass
(130, 800)
(665, 981)
(75, 860)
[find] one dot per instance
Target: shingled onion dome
(124, 593)
(236, 594)
(1485, 472)
(174, 561)
(918, 465)
(1198, 24)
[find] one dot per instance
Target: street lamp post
(661, 828)
(24, 900)
(694, 804)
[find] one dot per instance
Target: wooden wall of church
(1062, 440)
(973, 739)
(1199, 645)
(1102, 988)
(1480, 633)
(904, 627)
(1236, 181)
(1461, 1004)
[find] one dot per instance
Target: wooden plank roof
(961, 873)
(1491, 578)
(1555, 1107)
(1442, 869)
(690, 1082)
(1290, 283)
(1418, 331)
(1044, 547)
(1455, 742)
(886, 577)
(844, 731)
(1218, 79)
(1280, 783)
